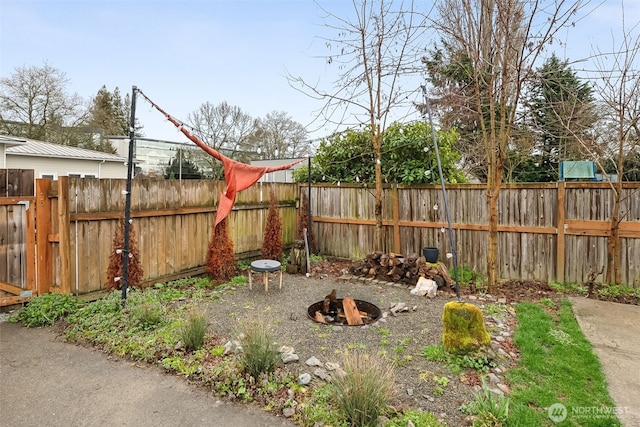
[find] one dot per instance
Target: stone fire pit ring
(373, 311)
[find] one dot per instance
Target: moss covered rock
(464, 329)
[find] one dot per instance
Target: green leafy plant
(259, 350)
(148, 314)
(491, 409)
(479, 361)
(194, 329)
(547, 302)
(45, 309)
(362, 394)
(435, 353)
(417, 418)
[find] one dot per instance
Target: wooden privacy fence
(17, 236)
(172, 220)
(552, 232)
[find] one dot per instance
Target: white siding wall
(66, 167)
(2, 162)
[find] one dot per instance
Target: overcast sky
(184, 53)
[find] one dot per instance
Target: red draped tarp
(239, 176)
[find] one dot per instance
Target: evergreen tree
(272, 242)
(221, 261)
(109, 115)
(134, 268)
(182, 168)
(561, 111)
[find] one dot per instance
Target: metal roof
(11, 140)
(35, 148)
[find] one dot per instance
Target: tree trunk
(613, 243)
(492, 249)
(377, 152)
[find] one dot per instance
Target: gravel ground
(405, 334)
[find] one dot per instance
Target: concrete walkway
(46, 382)
(614, 331)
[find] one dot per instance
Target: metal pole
(309, 195)
(127, 204)
(452, 240)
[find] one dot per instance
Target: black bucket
(430, 254)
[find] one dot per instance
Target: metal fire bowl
(371, 309)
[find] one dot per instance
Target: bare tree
(500, 42)
(618, 87)
(278, 136)
(34, 103)
(373, 52)
(223, 127)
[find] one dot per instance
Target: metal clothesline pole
(452, 240)
(127, 204)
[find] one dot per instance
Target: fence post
(64, 235)
(560, 223)
(43, 230)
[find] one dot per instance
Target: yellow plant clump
(464, 329)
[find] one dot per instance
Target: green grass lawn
(557, 366)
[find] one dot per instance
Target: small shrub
(46, 309)
(362, 394)
(148, 314)
(259, 350)
(221, 258)
(272, 241)
(193, 331)
(134, 267)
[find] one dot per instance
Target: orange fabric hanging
(238, 176)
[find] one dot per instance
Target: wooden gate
(17, 236)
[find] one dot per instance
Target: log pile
(398, 268)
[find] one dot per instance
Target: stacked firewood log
(400, 269)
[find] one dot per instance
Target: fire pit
(343, 311)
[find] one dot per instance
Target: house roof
(33, 148)
(11, 140)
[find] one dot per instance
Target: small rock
(313, 361)
(504, 388)
(330, 366)
(496, 391)
(499, 338)
(304, 379)
(322, 374)
(502, 300)
(289, 357)
(493, 378)
(472, 297)
(410, 424)
(291, 393)
(288, 412)
(410, 391)
(505, 333)
(286, 349)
